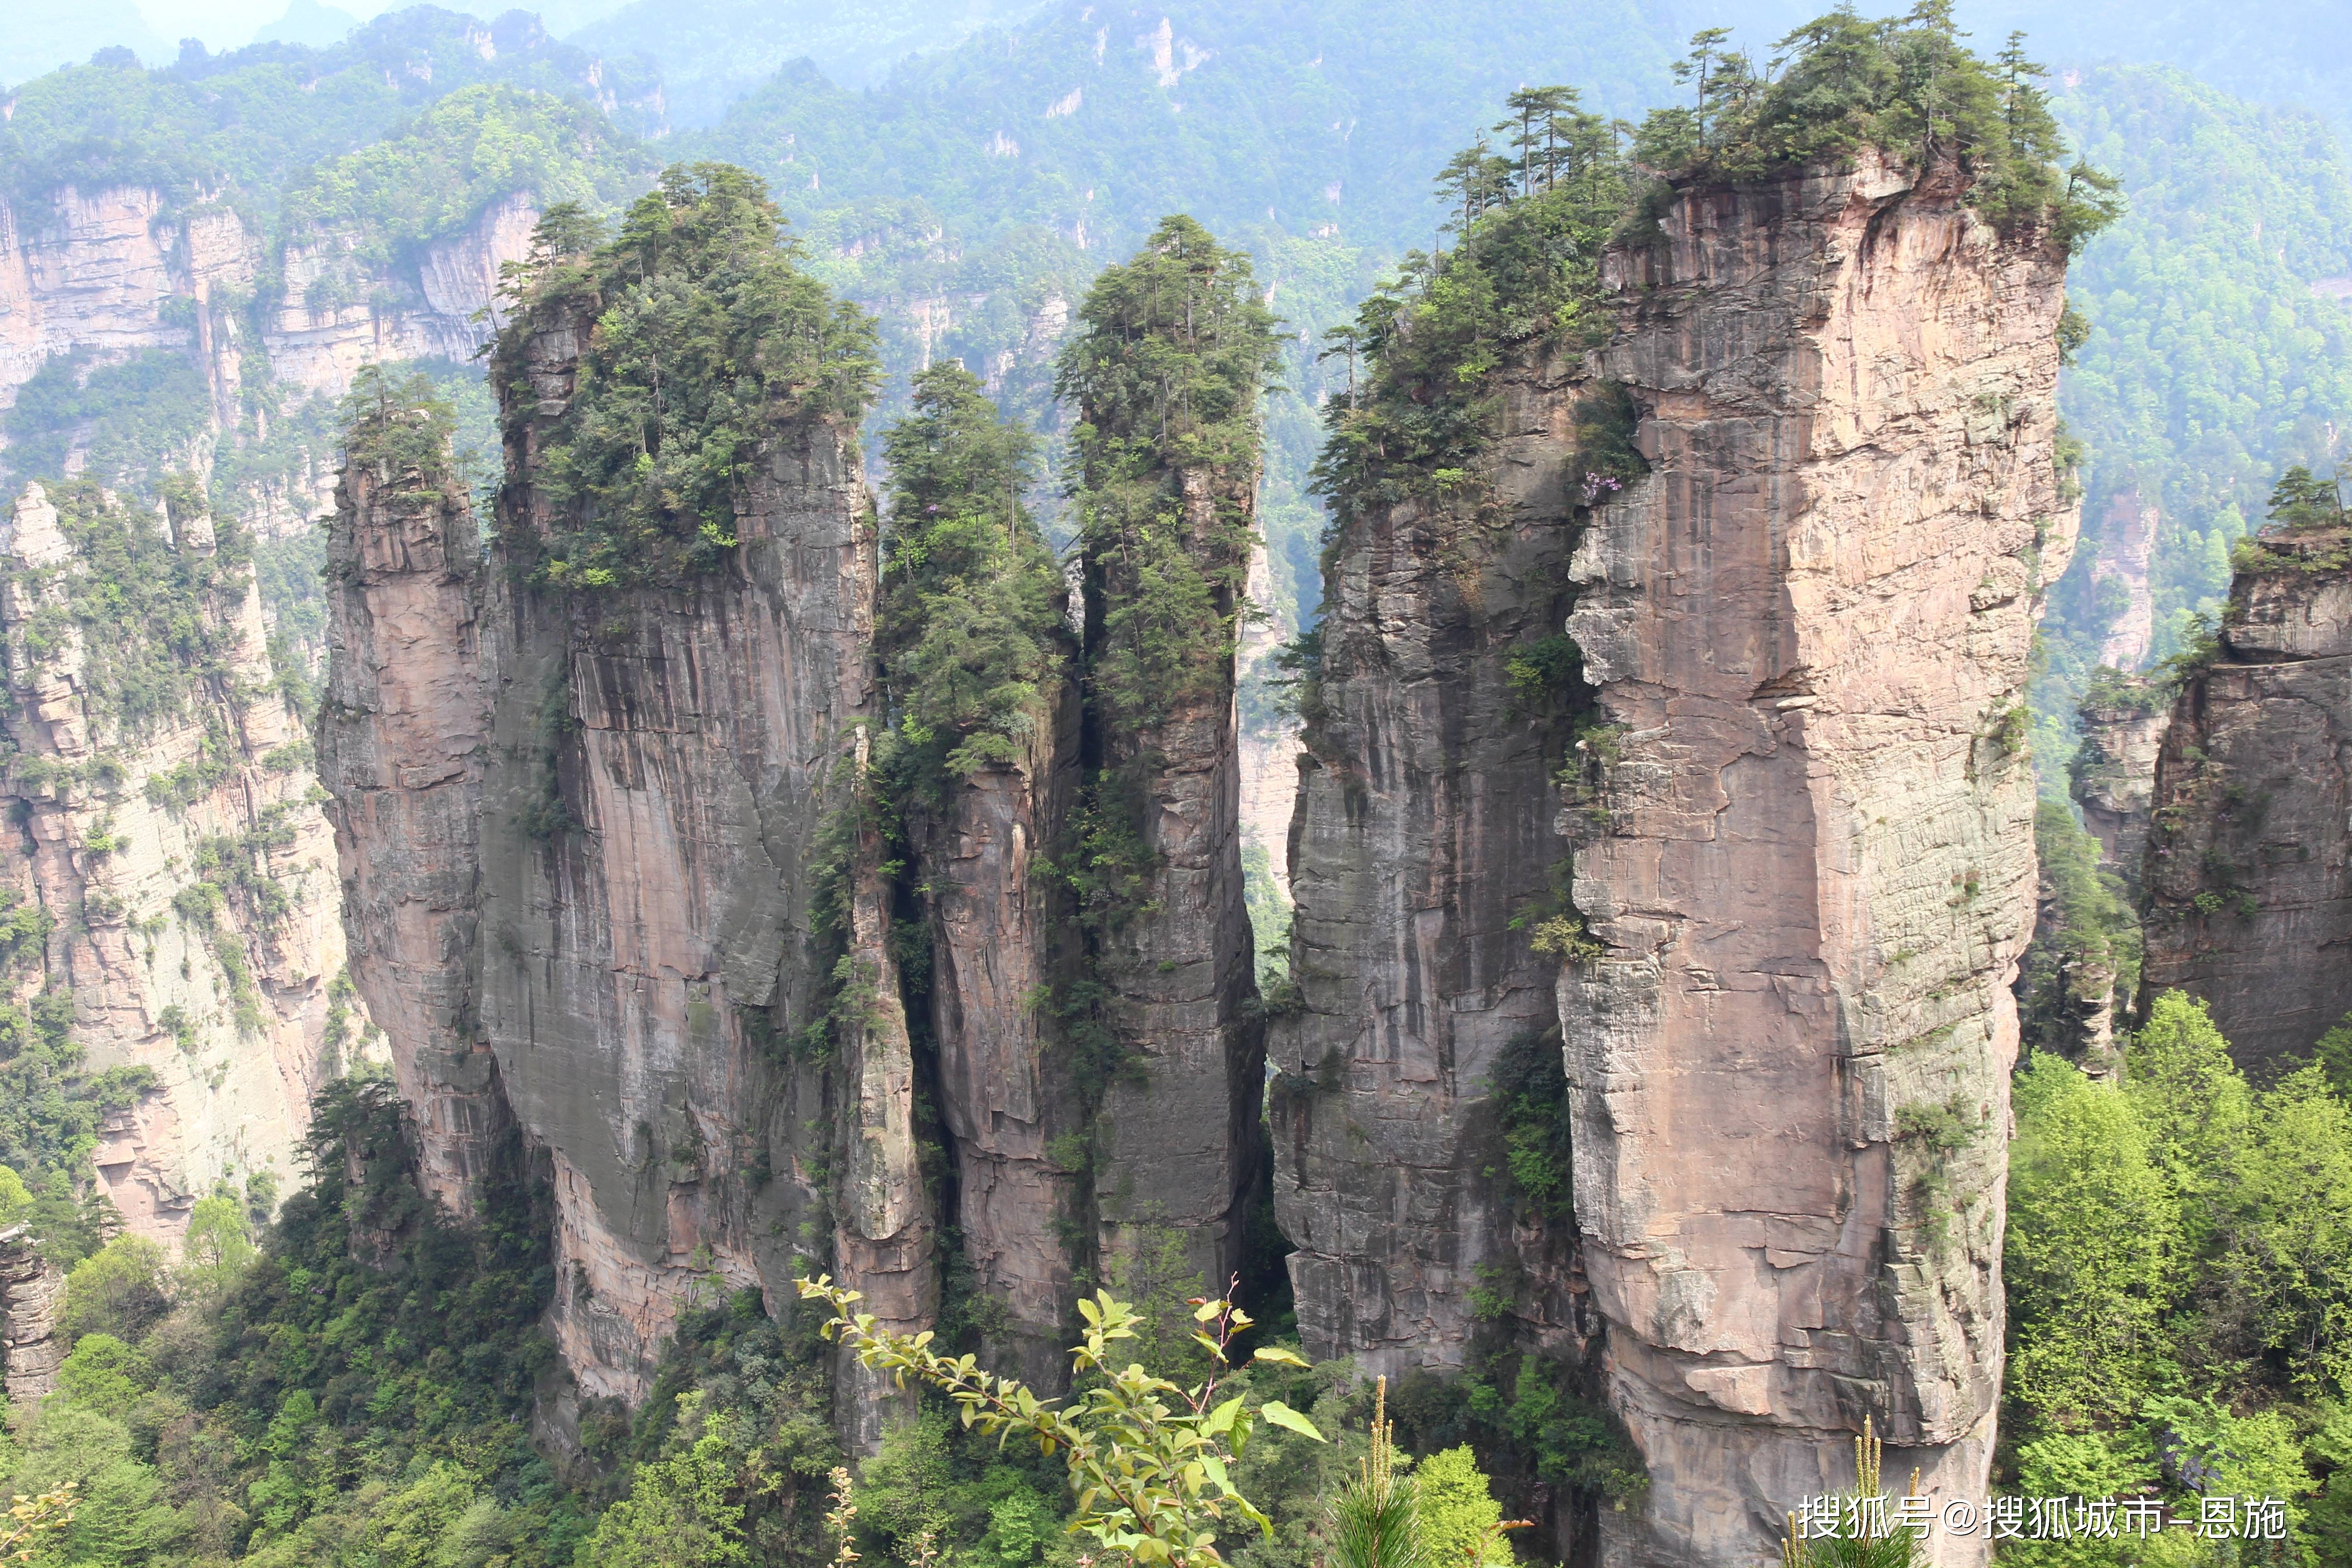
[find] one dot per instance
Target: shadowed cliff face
(663, 768)
(999, 935)
(1178, 1138)
(2248, 879)
(1423, 836)
(582, 837)
(1809, 624)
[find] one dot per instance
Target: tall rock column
(979, 659)
(2249, 869)
(1165, 372)
(403, 739)
(1000, 943)
(1421, 838)
(1808, 626)
(666, 761)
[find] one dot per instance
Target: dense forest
(339, 1373)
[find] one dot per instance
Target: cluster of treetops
(356, 1389)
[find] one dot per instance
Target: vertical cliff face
(165, 808)
(2248, 879)
(1000, 942)
(1164, 374)
(2114, 772)
(100, 270)
(32, 1293)
(1178, 1144)
(1808, 627)
(404, 737)
(663, 768)
(1423, 839)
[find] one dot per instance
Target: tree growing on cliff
(971, 627)
(1906, 84)
(1173, 350)
(703, 334)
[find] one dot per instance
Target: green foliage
(1456, 1514)
(436, 174)
(1372, 1520)
(1907, 86)
(1876, 1541)
(253, 118)
(301, 1406)
(2302, 500)
(680, 1511)
(130, 418)
(970, 628)
(2180, 1272)
(51, 1107)
(218, 1246)
(707, 334)
(395, 421)
(1523, 278)
(1527, 1088)
(1269, 917)
(1173, 351)
(2214, 364)
(123, 1289)
(2087, 947)
(1149, 1461)
(149, 618)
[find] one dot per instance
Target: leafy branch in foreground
(1147, 1459)
(30, 1518)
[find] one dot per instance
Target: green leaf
(1276, 1353)
(1283, 1415)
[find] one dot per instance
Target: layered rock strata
(104, 270)
(1808, 627)
(2113, 775)
(663, 769)
(32, 1293)
(166, 816)
(1421, 838)
(2248, 879)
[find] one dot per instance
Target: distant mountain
(714, 52)
(39, 36)
(308, 22)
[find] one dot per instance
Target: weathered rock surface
(100, 270)
(2248, 879)
(404, 742)
(1002, 934)
(1809, 624)
(111, 272)
(32, 1294)
(1178, 1144)
(2126, 540)
(1422, 836)
(186, 866)
(661, 769)
(2114, 772)
(584, 835)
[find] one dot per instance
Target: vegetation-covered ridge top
(1906, 84)
(1533, 209)
(703, 334)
